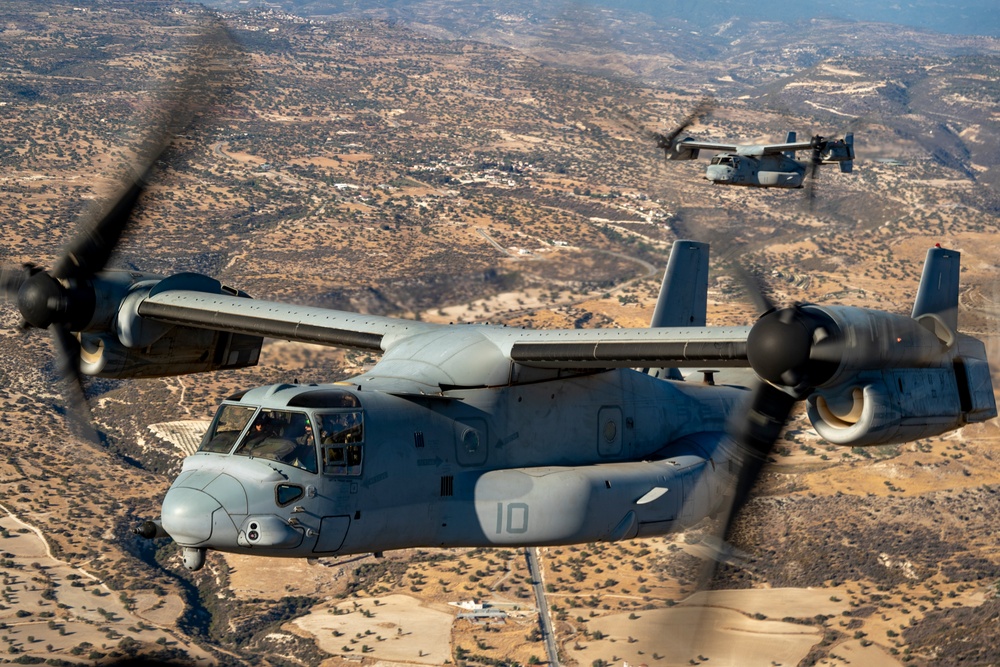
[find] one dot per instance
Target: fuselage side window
(285, 436)
(341, 436)
(229, 422)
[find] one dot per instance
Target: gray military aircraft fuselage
(307, 470)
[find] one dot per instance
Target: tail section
(936, 307)
(683, 300)
(847, 166)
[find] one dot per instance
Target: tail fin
(937, 296)
(936, 307)
(683, 300)
(790, 139)
(847, 166)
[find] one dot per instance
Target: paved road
(544, 620)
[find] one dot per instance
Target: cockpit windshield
(726, 160)
(284, 436)
(229, 422)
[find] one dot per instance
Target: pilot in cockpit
(261, 430)
(304, 454)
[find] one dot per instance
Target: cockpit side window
(284, 436)
(342, 437)
(229, 422)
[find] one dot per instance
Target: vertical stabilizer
(790, 139)
(938, 292)
(847, 166)
(683, 300)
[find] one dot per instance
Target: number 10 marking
(516, 518)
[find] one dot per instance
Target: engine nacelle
(904, 404)
(180, 350)
(681, 152)
(841, 150)
(829, 346)
(899, 406)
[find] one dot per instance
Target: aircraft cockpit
(291, 435)
(725, 160)
(284, 436)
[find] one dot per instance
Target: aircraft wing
(770, 149)
(632, 348)
(690, 144)
(755, 150)
(568, 349)
(306, 324)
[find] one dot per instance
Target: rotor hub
(781, 346)
(44, 301)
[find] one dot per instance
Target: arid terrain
(441, 169)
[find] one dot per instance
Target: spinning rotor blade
(11, 279)
(89, 250)
(753, 432)
(753, 288)
(63, 299)
(756, 431)
(68, 362)
(667, 142)
(780, 348)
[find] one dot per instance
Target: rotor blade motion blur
(64, 298)
(668, 142)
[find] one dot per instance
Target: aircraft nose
(718, 173)
(198, 508)
(186, 515)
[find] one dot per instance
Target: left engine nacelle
(904, 404)
(678, 151)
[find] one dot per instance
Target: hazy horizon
(965, 17)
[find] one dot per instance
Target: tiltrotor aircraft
(482, 435)
(765, 165)
(756, 165)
